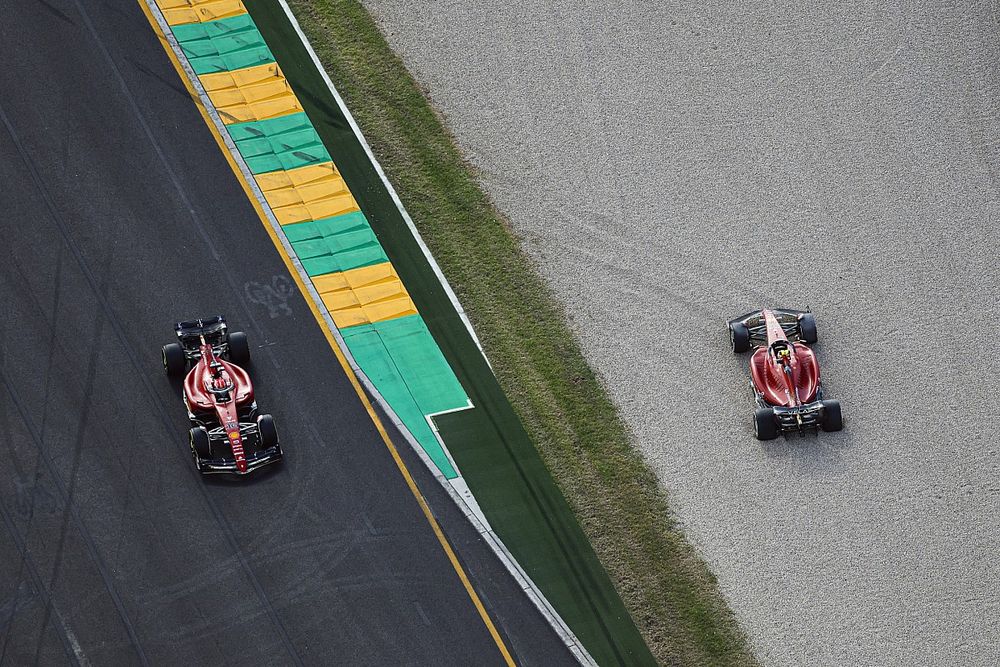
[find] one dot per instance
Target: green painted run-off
(401, 358)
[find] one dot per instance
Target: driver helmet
(784, 354)
(219, 382)
(221, 387)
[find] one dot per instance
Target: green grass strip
(222, 45)
(340, 243)
(279, 143)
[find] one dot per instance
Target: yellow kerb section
(178, 12)
(254, 93)
(365, 295)
(308, 193)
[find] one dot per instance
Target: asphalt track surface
(119, 216)
(671, 165)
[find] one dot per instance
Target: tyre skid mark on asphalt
(24, 596)
(343, 540)
(50, 362)
(27, 563)
(305, 594)
(207, 578)
(70, 643)
(74, 468)
(295, 505)
(60, 351)
(25, 417)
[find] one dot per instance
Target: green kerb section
(279, 143)
(222, 45)
(401, 358)
(493, 451)
(340, 243)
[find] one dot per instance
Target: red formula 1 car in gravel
(227, 433)
(784, 374)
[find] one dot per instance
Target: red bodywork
(788, 383)
(212, 371)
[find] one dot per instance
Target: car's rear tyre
(764, 425)
(807, 328)
(833, 420)
(239, 348)
(739, 336)
(174, 361)
(201, 447)
(268, 433)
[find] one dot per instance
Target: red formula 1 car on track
(227, 434)
(784, 374)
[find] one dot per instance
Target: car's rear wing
(790, 321)
(190, 332)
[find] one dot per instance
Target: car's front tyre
(739, 337)
(268, 433)
(201, 447)
(807, 329)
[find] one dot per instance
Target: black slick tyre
(174, 361)
(764, 425)
(807, 328)
(739, 336)
(239, 348)
(832, 418)
(268, 433)
(200, 445)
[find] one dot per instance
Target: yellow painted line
(364, 295)
(332, 342)
(178, 12)
(254, 93)
(308, 193)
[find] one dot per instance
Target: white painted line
(457, 490)
(385, 181)
(444, 447)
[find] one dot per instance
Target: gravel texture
(670, 165)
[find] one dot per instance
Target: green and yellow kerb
(321, 219)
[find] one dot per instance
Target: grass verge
(669, 591)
